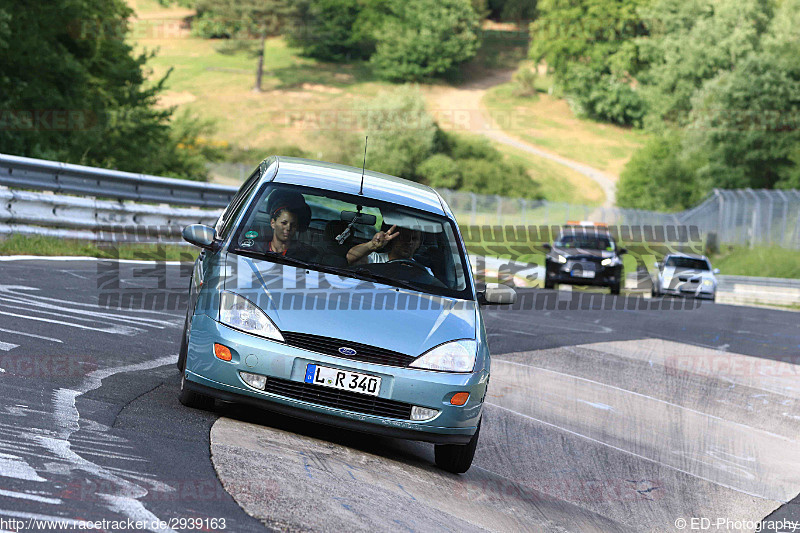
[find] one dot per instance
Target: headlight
(456, 356)
(707, 283)
(608, 261)
(561, 258)
(240, 313)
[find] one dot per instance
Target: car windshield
(688, 263)
(586, 241)
(335, 232)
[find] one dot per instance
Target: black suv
(584, 255)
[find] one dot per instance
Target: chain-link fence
(743, 217)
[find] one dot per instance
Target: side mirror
(657, 264)
(199, 235)
(497, 294)
(715, 271)
(547, 246)
(622, 251)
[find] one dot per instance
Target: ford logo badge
(347, 351)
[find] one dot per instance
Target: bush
(497, 177)
(401, 133)
(440, 172)
(659, 178)
(524, 82)
(425, 38)
(603, 97)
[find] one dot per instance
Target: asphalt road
(618, 419)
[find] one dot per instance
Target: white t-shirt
(383, 257)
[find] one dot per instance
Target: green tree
(248, 23)
(332, 30)
(693, 41)
(590, 45)
(425, 38)
(658, 177)
(71, 90)
(745, 120)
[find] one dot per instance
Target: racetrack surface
(622, 419)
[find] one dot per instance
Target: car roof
(346, 179)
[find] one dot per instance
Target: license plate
(343, 380)
(583, 273)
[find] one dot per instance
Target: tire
(184, 350)
(457, 458)
(549, 284)
(615, 288)
(193, 399)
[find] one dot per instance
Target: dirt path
(461, 108)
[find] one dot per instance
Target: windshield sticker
(248, 243)
(251, 235)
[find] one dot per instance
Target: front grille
(329, 346)
(345, 400)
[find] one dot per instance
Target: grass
(548, 122)
(763, 262)
(52, 246)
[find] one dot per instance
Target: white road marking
(24, 334)
(25, 496)
(68, 421)
(116, 330)
(598, 405)
(7, 346)
(93, 259)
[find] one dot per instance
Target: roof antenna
(364, 168)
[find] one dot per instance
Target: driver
(399, 244)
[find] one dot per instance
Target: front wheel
(615, 288)
(457, 458)
(193, 399)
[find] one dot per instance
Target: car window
(585, 241)
(688, 263)
(225, 221)
(322, 227)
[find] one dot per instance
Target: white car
(685, 275)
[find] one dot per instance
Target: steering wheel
(408, 262)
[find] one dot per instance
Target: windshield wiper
(367, 275)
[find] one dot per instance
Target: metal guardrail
(76, 217)
(38, 174)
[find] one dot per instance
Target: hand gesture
(380, 239)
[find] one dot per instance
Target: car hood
(343, 308)
(688, 274)
(582, 252)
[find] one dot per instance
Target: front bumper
(690, 292)
(220, 379)
(570, 274)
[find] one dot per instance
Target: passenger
(400, 244)
(284, 223)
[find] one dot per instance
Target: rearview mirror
(547, 246)
(622, 251)
(498, 294)
(199, 235)
(361, 218)
(657, 264)
(715, 271)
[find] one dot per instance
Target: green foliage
(657, 177)
(512, 10)
(525, 82)
(425, 38)
(589, 45)
(604, 97)
(71, 90)
(440, 172)
(401, 133)
(332, 30)
(763, 261)
(693, 41)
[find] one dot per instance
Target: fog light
(254, 380)
(423, 413)
(459, 398)
(222, 352)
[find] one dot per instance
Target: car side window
(225, 221)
